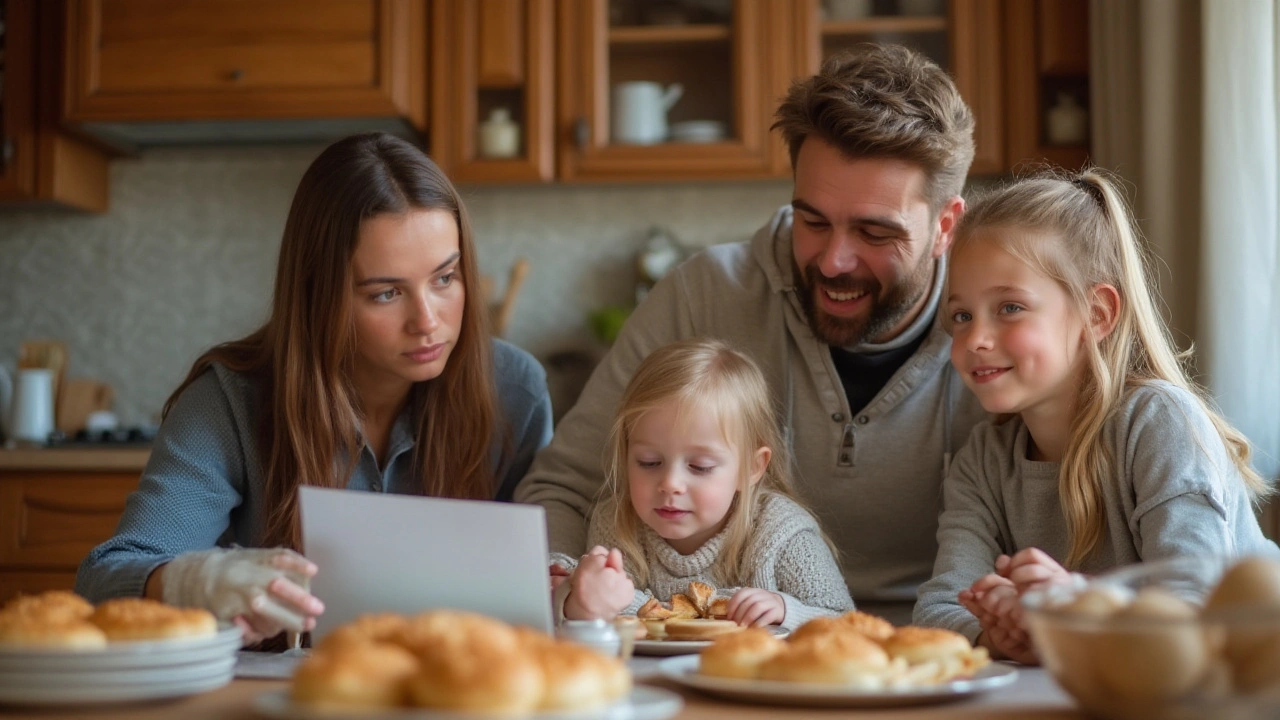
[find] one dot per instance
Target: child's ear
(759, 463)
(1104, 311)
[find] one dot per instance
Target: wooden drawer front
(52, 520)
(196, 45)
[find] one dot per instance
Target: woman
(374, 372)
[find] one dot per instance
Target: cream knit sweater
(787, 555)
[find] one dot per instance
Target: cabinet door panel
(13, 584)
(140, 67)
(724, 65)
(52, 520)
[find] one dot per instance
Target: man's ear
(759, 463)
(948, 215)
(1104, 310)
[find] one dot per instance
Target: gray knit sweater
(1175, 492)
(786, 555)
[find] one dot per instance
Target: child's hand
(1002, 646)
(600, 588)
(994, 601)
(1031, 568)
(753, 606)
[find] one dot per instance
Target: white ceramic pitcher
(640, 111)
(32, 405)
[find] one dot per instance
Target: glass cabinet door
(962, 36)
(657, 89)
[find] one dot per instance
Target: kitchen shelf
(668, 34)
(887, 24)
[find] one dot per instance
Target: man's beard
(887, 308)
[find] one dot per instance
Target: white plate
(684, 670)
(188, 672)
(644, 703)
(120, 655)
(684, 647)
(71, 694)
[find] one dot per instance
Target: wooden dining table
(1032, 696)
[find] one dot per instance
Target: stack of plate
(125, 671)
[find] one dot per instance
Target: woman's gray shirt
(204, 486)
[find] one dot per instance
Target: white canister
(599, 635)
(640, 111)
(499, 135)
(32, 418)
(1067, 123)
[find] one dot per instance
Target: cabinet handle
(582, 133)
(6, 152)
(237, 75)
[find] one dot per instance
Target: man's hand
(600, 588)
(756, 607)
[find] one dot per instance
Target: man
(836, 299)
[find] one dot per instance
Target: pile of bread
(696, 614)
(856, 651)
(63, 620)
(451, 660)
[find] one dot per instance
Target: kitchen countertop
(132, 459)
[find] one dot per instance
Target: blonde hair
(1086, 237)
(701, 375)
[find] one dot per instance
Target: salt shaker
(599, 635)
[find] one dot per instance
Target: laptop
(407, 554)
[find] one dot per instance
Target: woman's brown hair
(304, 356)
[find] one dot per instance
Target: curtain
(1185, 105)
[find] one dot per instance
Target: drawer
(199, 45)
(50, 520)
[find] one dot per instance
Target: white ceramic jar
(499, 135)
(599, 635)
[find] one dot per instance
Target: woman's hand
(599, 587)
(995, 602)
(263, 591)
(756, 607)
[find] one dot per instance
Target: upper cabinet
(669, 90)
(38, 162)
(133, 62)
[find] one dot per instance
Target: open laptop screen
(406, 554)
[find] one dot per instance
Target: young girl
(375, 371)
(698, 489)
(1103, 452)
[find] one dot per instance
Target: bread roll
(876, 628)
(24, 630)
(125, 619)
(740, 654)
(379, 627)
(578, 678)
(699, 628)
(355, 674)
(821, 626)
(51, 605)
(486, 676)
(839, 658)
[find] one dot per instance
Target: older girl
(698, 488)
(1103, 452)
(374, 372)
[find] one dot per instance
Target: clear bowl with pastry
(57, 648)
(853, 660)
(1188, 637)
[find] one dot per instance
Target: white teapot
(640, 111)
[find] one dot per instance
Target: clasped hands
(601, 588)
(995, 600)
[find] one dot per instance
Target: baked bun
(484, 676)
(740, 654)
(683, 607)
(457, 631)
(934, 654)
(876, 628)
(356, 674)
(143, 619)
(699, 628)
(719, 608)
(577, 677)
(24, 630)
(701, 594)
(820, 626)
(378, 627)
(53, 605)
(846, 658)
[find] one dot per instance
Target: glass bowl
(1162, 640)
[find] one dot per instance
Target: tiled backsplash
(186, 258)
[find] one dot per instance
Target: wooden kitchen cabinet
(487, 56)
(51, 519)
(731, 58)
(160, 60)
(38, 161)
(1009, 58)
